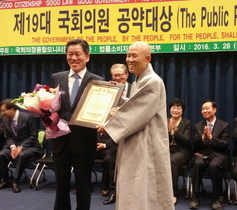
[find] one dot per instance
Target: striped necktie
(14, 127)
(210, 127)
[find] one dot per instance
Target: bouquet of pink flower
(44, 102)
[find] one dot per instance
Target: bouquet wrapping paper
(44, 102)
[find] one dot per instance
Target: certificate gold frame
(95, 103)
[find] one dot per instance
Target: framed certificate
(96, 102)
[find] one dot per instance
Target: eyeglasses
(176, 108)
(118, 75)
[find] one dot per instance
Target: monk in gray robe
(139, 127)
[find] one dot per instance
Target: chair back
(41, 138)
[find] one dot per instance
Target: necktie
(210, 127)
(14, 127)
(75, 88)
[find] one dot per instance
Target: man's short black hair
(82, 42)
(212, 102)
(8, 103)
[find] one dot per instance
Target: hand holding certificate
(96, 102)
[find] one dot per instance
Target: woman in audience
(234, 172)
(180, 132)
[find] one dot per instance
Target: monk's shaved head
(146, 48)
(138, 57)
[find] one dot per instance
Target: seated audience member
(210, 144)
(2, 138)
(106, 150)
(21, 143)
(234, 172)
(180, 133)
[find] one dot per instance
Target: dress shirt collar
(80, 73)
(212, 122)
(15, 118)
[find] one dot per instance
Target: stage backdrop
(37, 30)
(194, 77)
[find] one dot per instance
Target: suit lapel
(215, 128)
(64, 88)
(181, 126)
(201, 129)
(9, 124)
(19, 122)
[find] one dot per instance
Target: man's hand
(206, 136)
(113, 111)
(207, 133)
(15, 151)
(100, 146)
(101, 129)
(19, 149)
(52, 90)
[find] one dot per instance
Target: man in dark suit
(234, 169)
(106, 151)
(78, 147)
(210, 144)
(2, 138)
(21, 143)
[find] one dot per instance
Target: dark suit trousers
(214, 168)
(177, 160)
(21, 162)
(104, 155)
(82, 164)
